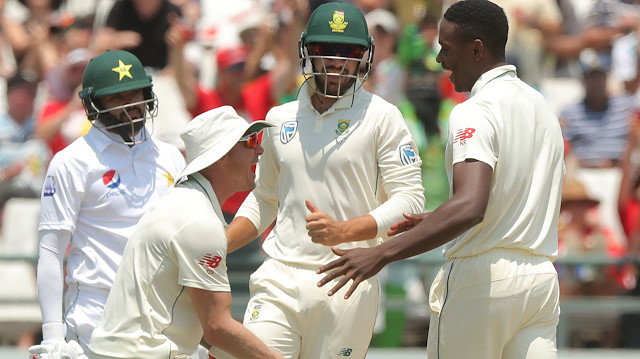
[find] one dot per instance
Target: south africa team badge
(256, 312)
(343, 127)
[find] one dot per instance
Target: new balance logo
(463, 135)
(345, 352)
(209, 262)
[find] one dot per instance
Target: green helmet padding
(337, 23)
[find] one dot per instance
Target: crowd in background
(583, 56)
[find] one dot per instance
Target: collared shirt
(509, 126)
(596, 136)
(180, 242)
(97, 189)
(356, 158)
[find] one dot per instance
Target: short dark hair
(480, 19)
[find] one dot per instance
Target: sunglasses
(251, 140)
(336, 50)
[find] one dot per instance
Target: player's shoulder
(282, 113)
(78, 151)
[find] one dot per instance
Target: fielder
(95, 191)
(339, 168)
(172, 285)
(497, 295)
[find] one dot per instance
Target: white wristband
(52, 331)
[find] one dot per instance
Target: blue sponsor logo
(288, 131)
(407, 154)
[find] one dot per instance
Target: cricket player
(497, 295)
(96, 189)
(172, 285)
(339, 168)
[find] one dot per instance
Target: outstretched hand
(356, 264)
(323, 229)
(410, 220)
(57, 350)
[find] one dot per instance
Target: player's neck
(322, 103)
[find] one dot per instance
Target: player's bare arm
(465, 209)
(224, 332)
(240, 232)
(323, 229)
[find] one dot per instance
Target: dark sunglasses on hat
(250, 139)
(348, 51)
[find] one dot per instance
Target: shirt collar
(492, 74)
(101, 139)
(199, 182)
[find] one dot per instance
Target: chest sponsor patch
(288, 131)
(111, 179)
(407, 154)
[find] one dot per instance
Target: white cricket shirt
(357, 158)
(180, 242)
(509, 126)
(97, 189)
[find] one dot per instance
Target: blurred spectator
(249, 91)
(138, 26)
(625, 59)
(62, 118)
(33, 42)
(23, 159)
(597, 127)
(582, 236)
(531, 24)
(387, 75)
(608, 20)
(629, 193)
(417, 52)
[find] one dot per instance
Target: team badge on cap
(288, 131)
(122, 70)
(338, 24)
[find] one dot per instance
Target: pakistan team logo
(343, 126)
(256, 312)
(338, 24)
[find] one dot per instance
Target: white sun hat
(212, 134)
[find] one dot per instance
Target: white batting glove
(57, 350)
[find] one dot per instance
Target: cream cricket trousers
(291, 315)
(503, 303)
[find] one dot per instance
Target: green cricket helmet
(112, 72)
(336, 32)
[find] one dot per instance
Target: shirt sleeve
(200, 251)
(399, 164)
(472, 134)
(61, 196)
